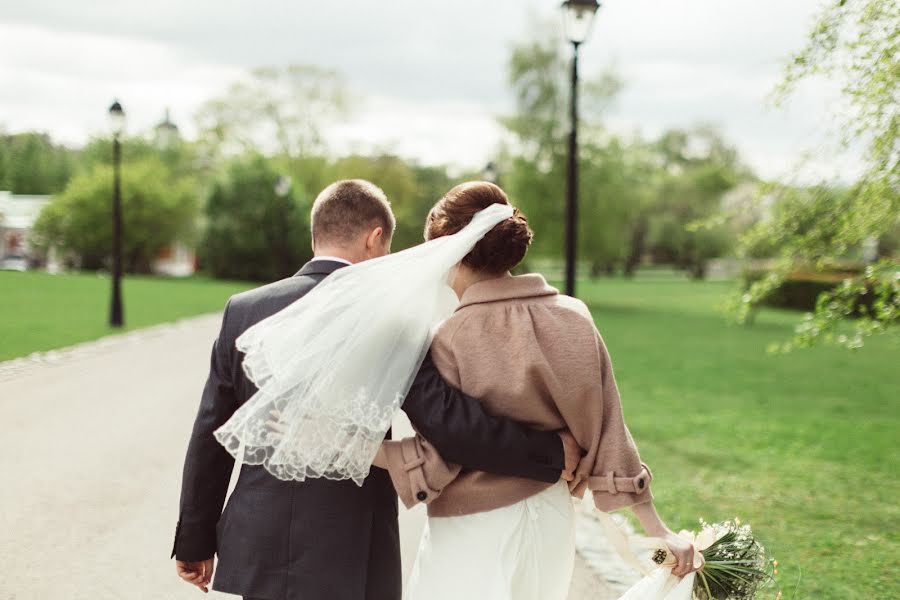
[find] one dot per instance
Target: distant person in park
(308, 520)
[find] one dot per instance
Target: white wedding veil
(338, 363)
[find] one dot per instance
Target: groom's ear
(375, 240)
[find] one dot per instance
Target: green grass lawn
(42, 312)
(802, 446)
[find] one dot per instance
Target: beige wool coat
(533, 355)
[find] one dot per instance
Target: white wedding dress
(525, 551)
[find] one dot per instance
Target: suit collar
(320, 267)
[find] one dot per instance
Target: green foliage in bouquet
(737, 566)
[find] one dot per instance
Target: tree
(432, 182)
(634, 196)
(857, 44)
(616, 184)
(254, 232)
(30, 163)
(157, 210)
(179, 157)
(278, 111)
(697, 169)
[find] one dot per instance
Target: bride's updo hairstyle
(502, 248)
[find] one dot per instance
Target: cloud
(428, 133)
(66, 81)
(433, 73)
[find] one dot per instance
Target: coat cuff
(194, 543)
(405, 467)
(418, 472)
(612, 493)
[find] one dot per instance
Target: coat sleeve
(612, 469)
(454, 429)
(207, 466)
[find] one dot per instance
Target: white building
(18, 214)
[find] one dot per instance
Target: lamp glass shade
(490, 172)
(116, 119)
(579, 16)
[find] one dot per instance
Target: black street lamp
(579, 16)
(117, 126)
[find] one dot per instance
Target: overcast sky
(430, 76)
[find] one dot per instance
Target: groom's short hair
(347, 209)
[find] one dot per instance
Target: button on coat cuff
(405, 465)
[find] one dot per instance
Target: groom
(321, 539)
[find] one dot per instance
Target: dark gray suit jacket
(320, 539)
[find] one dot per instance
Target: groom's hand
(196, 573)
(573, 453)
(275, 427)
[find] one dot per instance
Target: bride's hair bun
(502, 248)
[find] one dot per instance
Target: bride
(499, 337)
(497, 537)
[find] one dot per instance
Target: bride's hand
(683, 552)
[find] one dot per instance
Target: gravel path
(93, 439)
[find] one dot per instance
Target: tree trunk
(698, 270)
(636, 248)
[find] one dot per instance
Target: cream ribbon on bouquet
(658, 582)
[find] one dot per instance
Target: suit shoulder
(289, 287)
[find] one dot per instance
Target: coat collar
(320, 267)
(507, 288)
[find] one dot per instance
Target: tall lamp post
(579, 16)
(117, 126)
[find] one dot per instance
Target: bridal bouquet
(736, 566)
